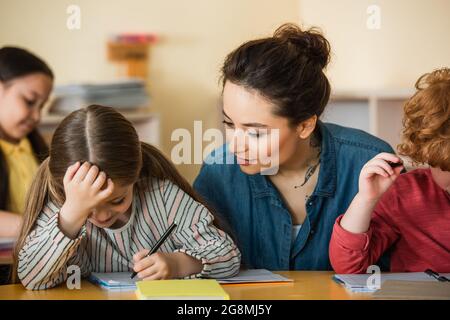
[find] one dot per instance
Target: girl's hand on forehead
(85, 187)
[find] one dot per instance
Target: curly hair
(426, 122)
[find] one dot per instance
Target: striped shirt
(47, 252)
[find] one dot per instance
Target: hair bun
(310, 42)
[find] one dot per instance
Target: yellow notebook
(192, 289)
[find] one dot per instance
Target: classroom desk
(307, 285)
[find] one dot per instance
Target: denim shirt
(258, 216)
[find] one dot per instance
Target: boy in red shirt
(409, 213)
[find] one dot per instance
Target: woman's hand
(83, 189)
(158, 266)
(377, 176)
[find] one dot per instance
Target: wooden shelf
(133, 56)
(379, 112)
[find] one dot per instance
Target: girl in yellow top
(25, 84)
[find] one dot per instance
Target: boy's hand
(158, 266)
(83, 189)
(377, 176)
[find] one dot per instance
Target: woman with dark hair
(25, 84)
(274, 92)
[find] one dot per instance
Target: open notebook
(358, 282)
(255, 276)
(122, 281)
(114, 280)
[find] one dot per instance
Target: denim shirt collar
(326, 183)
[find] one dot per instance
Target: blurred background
(379, 47)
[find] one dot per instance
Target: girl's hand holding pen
(84, 190)
(157, 266)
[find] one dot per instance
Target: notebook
(255, 276)
(122, 281)
(192, 289)
(358, 282)
(114, 280)
(417, 290)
